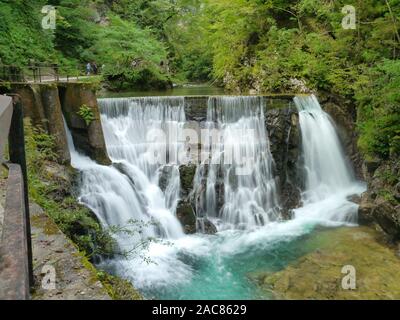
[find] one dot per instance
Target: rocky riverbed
(318, 275)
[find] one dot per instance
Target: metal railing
(16, 274)
(40, 72)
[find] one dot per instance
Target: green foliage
(86, 113)
(21, 35)
(76, 28)
(139, 63)
(240, 44)
(378, 97)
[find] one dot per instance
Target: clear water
(201, 267)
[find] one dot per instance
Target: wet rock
(284, 135)
(60, 176)
(365, 210)
(186, 216)
(372, 165)
(204, 225)
(388, 218)
(165, 176)
(187, 173)
(354, 198)
(344, 114)
(196, 108)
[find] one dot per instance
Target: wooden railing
(16, 276)
(40, 72)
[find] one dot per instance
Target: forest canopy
(243, 45)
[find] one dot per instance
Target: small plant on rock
(86, 113)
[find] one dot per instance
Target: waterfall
(128, 192)
(329, 179)
(234, 187)
(143, 134)
(239, 168)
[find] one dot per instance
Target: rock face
(76, 278)
(381, 203)
(186, 216)
(186, 210)
(187, 207)
(32, 104)
(88, 138)
(344, 115)
(284, 134)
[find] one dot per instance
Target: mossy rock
(118, 288)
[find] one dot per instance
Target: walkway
(75, 277)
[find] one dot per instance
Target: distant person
(88, 69)
(95, 68)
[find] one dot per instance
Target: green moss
(49, 228)
(118, 288)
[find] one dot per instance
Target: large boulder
(388, 218)
(381, 204)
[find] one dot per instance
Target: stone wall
(88, 138)
(42, 105)
(45, 105)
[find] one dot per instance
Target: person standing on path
(88, 69)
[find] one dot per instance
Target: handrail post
(16, 142)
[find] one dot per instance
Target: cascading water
(240, 158)
(128, 191)
(328, 176)
(251, 235)
(142, 136)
